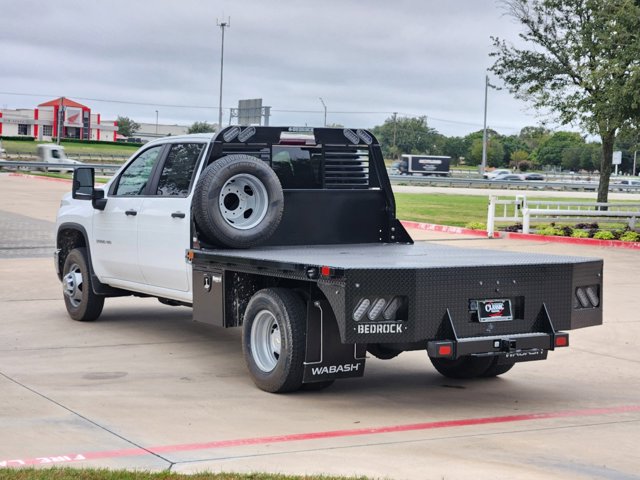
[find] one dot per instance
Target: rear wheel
(274, 339)
(496, 369)
(82, 304)
(463, 367)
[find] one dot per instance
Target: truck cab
(51, 153)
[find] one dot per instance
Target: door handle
(177, 215)
(131, 212)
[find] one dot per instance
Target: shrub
(517, 227)
(604, 235)
(580, 234)
(550, 231)
(475, 226)
(630, 236)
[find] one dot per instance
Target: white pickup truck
(291, 234)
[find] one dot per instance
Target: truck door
(114, 253)
(164, 222)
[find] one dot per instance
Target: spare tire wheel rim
(243, 201)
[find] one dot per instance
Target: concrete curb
(432, 227)
(38, 177)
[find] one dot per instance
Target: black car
(534, 177)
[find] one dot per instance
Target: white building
(43, 122)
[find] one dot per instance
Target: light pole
(483, 165)
(325, 111)
(222, 26)
(156, 122)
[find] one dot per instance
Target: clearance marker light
(445, 350)
(361, 309)
(378, 305)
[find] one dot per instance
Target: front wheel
(82, 304)
(274, 339)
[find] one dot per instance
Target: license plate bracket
(494, 310)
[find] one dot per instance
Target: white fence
(521, 210)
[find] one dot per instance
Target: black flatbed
(382, 256)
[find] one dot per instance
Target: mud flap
(326, 357)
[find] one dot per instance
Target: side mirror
(83, 189)
(83, 179)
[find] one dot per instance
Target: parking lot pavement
(144, 387)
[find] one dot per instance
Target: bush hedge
(17, 139)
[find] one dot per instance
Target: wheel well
(68, 239)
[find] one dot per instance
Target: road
(146, 388)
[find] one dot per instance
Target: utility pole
(222, 26)
(60, 120)
(395, 130)
(483, 165)
(325, 111)
(633, 172)
(156, 122)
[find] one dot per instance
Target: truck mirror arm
(97, 199)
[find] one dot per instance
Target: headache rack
(335, 183)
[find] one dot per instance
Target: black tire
(82, 304)
(463, 367)
(381, 352)
(494, 369)
(316, 386)
(238, 202)
(274, 339)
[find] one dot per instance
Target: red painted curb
(297, 437)
(593, 242)
(433, 227)
(38, 177)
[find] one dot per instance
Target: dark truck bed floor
(388, 256)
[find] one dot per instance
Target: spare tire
(238, 202)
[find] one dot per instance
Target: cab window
(135, 177)
(177, 171)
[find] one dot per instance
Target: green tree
(532, 137)
(551, 150)
(126, 126)
(455, 148)
(518, 156)
(201, 127)
(581, 61)
(407, 135)
(495, 152)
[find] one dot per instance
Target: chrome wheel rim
(266, 341)
(243, 201)
(72, 284)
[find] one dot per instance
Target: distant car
(533, 177)
(495, 173)
(635, 183)
(399, 167)
(509, 177)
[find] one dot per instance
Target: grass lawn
(443, 209)
(94, 474)
(15, 146)
(453, 210)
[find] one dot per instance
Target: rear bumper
(519, 347)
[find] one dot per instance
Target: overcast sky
(371, 57)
